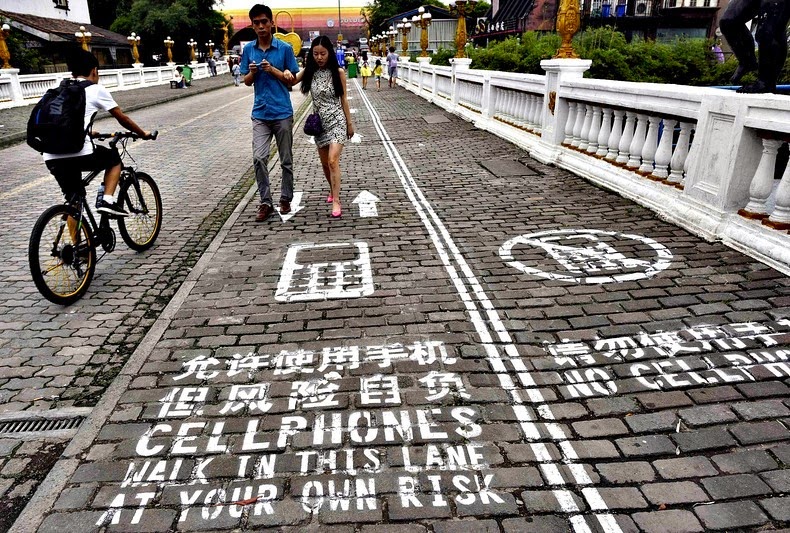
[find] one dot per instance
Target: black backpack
(57, 122)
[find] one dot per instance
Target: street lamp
(192, 43)
(169, 45)
(392, 33)
(210, 46)
(422, 20)
(134, 40)
(5, 55)
(83, 37)
(461, 8)
(405, 27)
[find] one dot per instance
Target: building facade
(49, 27)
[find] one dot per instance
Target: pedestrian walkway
(481, 343)
(13, 120)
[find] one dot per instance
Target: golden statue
(568, 23)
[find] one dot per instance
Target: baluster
(503, 102)
(650, 146)
(635, 150)
(510, 103)
(569, 123)
(680, 156)
(581, 112)
(539, 112)
(615, 135)
(780, 218)
(595, 130)
(664, 152)
(605, 133)
(762, 182)
(584, 136)
(517, 101)
(628, 136)
(525, 111)
(530, 118)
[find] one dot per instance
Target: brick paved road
(503, 350)
(53, 357)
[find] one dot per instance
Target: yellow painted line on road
(43, 179)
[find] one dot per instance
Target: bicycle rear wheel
(140, 229)
(61, 255)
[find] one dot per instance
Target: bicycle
(63, 244)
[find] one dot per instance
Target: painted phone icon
(325, 271)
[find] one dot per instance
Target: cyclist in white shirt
(67, 168)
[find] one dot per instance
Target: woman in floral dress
(326, 82)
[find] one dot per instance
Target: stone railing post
(458, 63)
(554, 113)
(16, 88)
(486, 104)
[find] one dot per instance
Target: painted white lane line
(435, 228)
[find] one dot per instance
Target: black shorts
(68, 171)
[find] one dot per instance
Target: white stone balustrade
(705, 143)
(33, 86)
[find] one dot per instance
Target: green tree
(103, 12)
(682, 62)
(27, 60)
(181, 20)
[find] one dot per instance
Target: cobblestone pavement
(13, 120)
(493, 345)
(56, 358)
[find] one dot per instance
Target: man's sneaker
(285, 207)
(264, 211)
(111, 209)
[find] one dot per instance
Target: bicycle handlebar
(118, 135)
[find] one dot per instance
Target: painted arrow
(367, 204)
(295, 207)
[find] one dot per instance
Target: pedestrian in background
(236, 72)
(378, 70)
(268, 64)
(212, 66)
(392, 66)
(365, 72)
(323, 78)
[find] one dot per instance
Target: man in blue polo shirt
(267, 63)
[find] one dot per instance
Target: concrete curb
(18, 137)
(50, 488)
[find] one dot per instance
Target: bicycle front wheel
(61, 255)
(140, 229)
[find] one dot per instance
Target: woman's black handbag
(312, 125)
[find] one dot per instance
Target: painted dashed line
(485, 318)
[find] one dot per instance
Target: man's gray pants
(262, 132)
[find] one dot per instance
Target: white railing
(703, 158)
(33, 86)
(5, 90)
